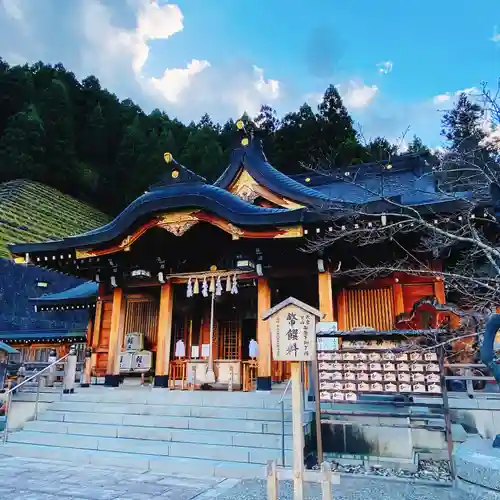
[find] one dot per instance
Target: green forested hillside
(32, 212)
(82, 140)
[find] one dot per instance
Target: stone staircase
(204, 432)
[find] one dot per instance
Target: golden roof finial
(168, 157)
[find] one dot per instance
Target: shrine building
(190, 267)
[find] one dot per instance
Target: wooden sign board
(293, 330)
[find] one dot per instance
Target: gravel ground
(430, 470)
(350, 488)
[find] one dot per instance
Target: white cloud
(385, 67)
(175, 81)
(496, 35)
(189, 91)
(439, 99)
(451, 96)
(357, 95)
(13, 9)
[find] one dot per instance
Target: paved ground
(29, 479)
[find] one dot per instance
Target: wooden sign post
(293, 333)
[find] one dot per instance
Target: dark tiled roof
(253, 159)
(81, 294)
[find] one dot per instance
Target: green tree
(60, 156)
(21, 147)
(381, 149)
(417, 146)
(462, 126)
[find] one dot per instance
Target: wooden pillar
(439, 291)
(112, 377)
(342, 311)
(96, 335)
(263, 336)
(325, 295)
(399, 304)
(164, 337)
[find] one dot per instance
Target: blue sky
(397, 64)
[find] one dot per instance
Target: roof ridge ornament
(176, 175)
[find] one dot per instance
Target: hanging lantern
(228, 284)
(204, 287)
(234, 288)
(212, 285)
(218, 286)
(189, 291)
(196, 287)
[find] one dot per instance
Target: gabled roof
(252, 159)
(86, 293)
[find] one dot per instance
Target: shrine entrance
(211, 335)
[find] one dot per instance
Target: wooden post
(326, 481)
(96, 335)
(263, 336)
(164, 335)
(298, 433)
(399, 305)
(326, 307)
(439, 291)
(342, 310)
(115, 338)
(272, 480)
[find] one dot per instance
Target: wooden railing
(177, 373)
(249, 375)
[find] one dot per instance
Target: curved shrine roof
(181, 196)
(81, 294)
(253, 159)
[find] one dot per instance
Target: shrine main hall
(176, 285)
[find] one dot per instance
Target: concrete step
(173, 410)
(163, 465)
(157, 396)
(215, 452)
(176, 422)
(226, 438)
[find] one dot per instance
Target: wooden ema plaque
(374, 366)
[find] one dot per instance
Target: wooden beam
(325, 295)
(164, 337)
(116, 333)
(263, 336)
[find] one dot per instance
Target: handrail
(7, 394)
(282, 403)
(37, 374)
(285, 391)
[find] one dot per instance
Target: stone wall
(18, 283)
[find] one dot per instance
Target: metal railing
(7, 395)
(282, 403)
(470, 373)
